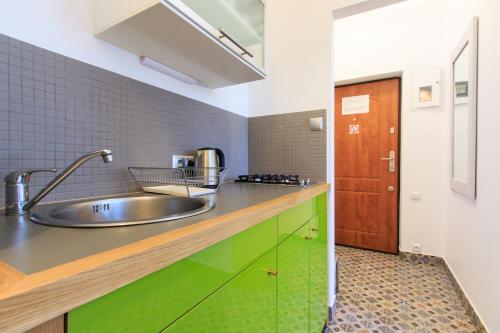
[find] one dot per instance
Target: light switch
(316, 124)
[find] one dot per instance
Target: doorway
(367, 143)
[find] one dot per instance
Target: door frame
(372, 79)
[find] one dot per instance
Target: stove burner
(273, 179)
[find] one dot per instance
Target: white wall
(393, 39)
(295, 32)
(65, 27)
(472, 234)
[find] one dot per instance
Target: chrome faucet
(17, 200)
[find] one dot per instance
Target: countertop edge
(29, 300)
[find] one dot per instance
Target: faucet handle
(23, 176)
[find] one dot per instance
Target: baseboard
(438, 261)
(417, 258)
(469, 309)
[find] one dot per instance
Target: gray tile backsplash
(54, 109)
(284, 144)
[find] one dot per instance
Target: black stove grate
(271, 179)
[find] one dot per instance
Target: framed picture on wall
(426, 90)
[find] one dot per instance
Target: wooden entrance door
(367, 165)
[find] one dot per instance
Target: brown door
(367, 165)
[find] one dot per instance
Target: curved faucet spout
(106, 155)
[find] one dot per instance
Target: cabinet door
(319, 203)
(318, 272)
(245, 304)
(242, 21)
(293, 282)
(291, 220)
(153, 302)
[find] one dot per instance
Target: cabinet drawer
(155, 301)
(293, 219)
(233, 254)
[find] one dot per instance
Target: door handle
(392, 160)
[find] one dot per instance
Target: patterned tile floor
(381, 293)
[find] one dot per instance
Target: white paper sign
(355, 105)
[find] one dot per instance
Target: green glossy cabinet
(153, 302)
(292, 219)
(319, 203)
(269, 278)
(302, 266)
(293, 281)
(247, 303)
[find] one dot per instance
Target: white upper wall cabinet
(218, 42)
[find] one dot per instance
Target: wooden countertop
(27, 300)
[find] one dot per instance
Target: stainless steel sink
(120, 211)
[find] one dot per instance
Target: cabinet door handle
(308, 238)
(241, 47)
(314, 229)
(270, 271)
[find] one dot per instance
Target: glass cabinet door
(240, 24)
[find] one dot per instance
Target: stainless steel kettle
(210, 158)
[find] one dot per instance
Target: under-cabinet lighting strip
(153, 64)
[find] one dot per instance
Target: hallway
(382, 293)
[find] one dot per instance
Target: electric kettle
(212, 158)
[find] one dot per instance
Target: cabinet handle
(270, 271)
(241, 47)
(308, 238)
(314, 229)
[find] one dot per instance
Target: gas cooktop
(268, 179)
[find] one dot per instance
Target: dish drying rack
(191, 178)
